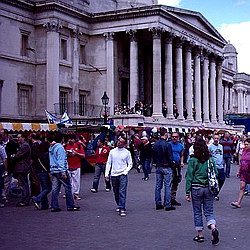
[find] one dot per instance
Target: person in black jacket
(22, 166)
(42, 169)
(145, 157)
(163, 158)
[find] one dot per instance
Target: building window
(63, 101)
(24, 43)
(82, 99)
(82, 56)
(24, 99)
(64, 54)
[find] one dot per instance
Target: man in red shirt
(102, 153)
(75, 152)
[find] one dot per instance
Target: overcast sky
(230, 17)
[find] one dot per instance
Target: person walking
(118, 165)
(145, 157)
(244, 172)
(228, 151)
(34, 180)
(22, 166)
(60, 174)
(102, 153)
(163, 159)
(198, 192)
(75, 153)
(178, 163)
(42, 169)
(216, 151)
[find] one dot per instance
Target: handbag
(212, 179)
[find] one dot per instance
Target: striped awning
(27, 126)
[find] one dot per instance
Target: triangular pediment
(195, 19)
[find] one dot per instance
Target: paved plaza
(98, 226)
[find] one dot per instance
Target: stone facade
(58, 55)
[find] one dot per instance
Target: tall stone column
(197, 85)
(52, 64)
(179, 79)
(219, 90)
(134, 77)
(110, 61)
(188, 82)
(157, 78)
(75, 67)
(212, 82)
(168, 83)
(240, 95)
(212, 78)
(230, 97)
(205, 100)
(226, 97)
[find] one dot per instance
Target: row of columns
(210, 74)
(212, 82)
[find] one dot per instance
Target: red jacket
(102, 155)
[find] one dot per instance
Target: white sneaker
(107, 189)
(123, 213)
(93, 190)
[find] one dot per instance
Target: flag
(66, 119)
(51, 118)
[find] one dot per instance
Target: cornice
(63, 8)
(27, 5)
(50, 6)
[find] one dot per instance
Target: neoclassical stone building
(59, 55)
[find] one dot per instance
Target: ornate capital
(132, 34)
(156, 32)
(219, 60)
(169, 37)
(76, 33)
(109, 35)
(53, 26)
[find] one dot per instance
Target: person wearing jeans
(163, 175)
(198, 192)
(228, 151)
(216, 151)
(102, 153)
(163, 158)
(145, 157)
(118, 165)
(59, 174)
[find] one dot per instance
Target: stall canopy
(9, 126)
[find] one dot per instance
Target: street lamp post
(105, 102)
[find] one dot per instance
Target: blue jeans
(202, 198)
(163, 175)
(227, 162)
(146, 167)
(45, 183)
(99, 169)
(59, 179)
(221, 177)
(120, 184)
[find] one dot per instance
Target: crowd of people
(145, 109)
(41, 165)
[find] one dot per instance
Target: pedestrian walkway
(98, 226)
